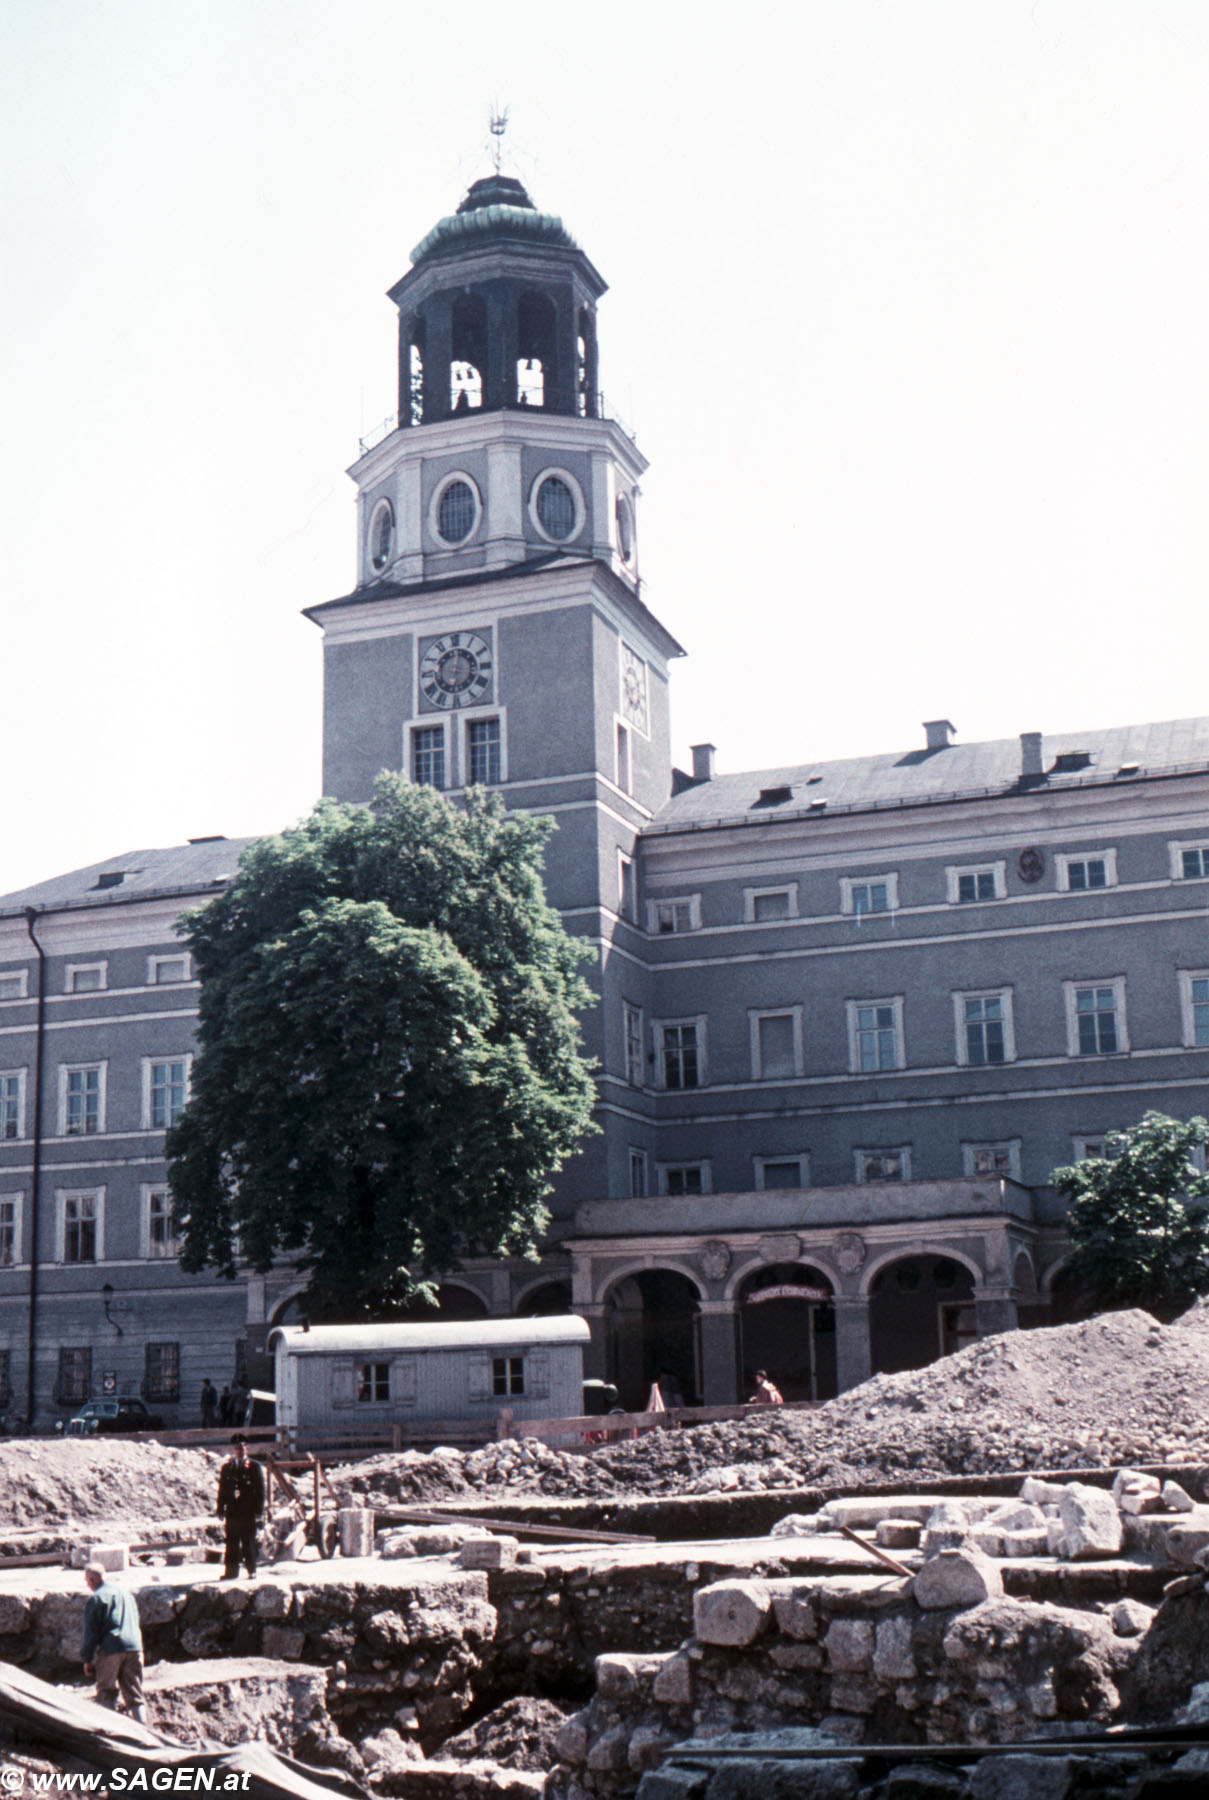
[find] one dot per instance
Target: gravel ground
(1117, 1389)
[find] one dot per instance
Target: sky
(907, 309)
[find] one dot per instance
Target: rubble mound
(49, 1481)
(519, 1734)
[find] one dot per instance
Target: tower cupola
(497, 312)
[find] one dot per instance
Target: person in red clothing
(767, 1392)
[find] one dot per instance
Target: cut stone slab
(1135, 1492)
(857, 1512)
(731, 1612)
(1089, 1524)
(1177, 1499)
(957, 1578)
(488, 1553)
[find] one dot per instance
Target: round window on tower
(455, 510)
(381, 534)
(625, 528)
(556, 506)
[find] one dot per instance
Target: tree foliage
(1138, 1217)
(389, 1064)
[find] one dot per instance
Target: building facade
(850, 1015)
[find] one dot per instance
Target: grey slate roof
(186, 869)
(919, 776)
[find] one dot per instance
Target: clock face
(456, 670)
(633, 687)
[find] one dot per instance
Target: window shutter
(537, 1375)
(403, 1379)
(480, 1378)
(344, 1387)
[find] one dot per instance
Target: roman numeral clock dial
(456, 671)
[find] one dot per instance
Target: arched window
(469, 357)
(535, 341)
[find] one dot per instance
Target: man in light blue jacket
(113, 1643)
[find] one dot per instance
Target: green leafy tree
(389, 1064)
(1138, 1217)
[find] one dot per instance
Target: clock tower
(497, 634)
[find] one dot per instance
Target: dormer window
(1068, 761)
(773, 796)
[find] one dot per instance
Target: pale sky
(909, 309)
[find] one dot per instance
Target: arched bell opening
(787, 1328)
(586, 396)
(536, 340)
(920, 1308)
(652, 1333)
(417, 344)
(468, 353)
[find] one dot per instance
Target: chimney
(1031, 758)
(941, 733)
(703, 762)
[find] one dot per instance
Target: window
(162, 1373)
(1080, 874)
(12, 1104)
(165, 1091)
(1095, 1018)
(635, 1064)
(80, 1227)
(776, 1044)
(985, 882)
(872, 894)
(82, 1100)
(10, 1230)
(86, 978)
(381, 534)
(428, 755)
(678, 1179)
(625, 887)
(507, 1375)
(682, 1046)
(75, 1377)
(160, 1242)
(761, 906)
(668, 917)
(985, 1031)
(164, 971)
(484, 763)
(883, 1165)
(457, 510)
(992, 1159)
(373, 1381)
(781, 1172)
(623, 759)
(875, 1035)
(14, 984)
(1088, 1148)
(1189, 862)
(1194, 1002)
(556, 506)
(637, 1174)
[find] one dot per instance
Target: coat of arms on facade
(714, 1259)
(849, 1252)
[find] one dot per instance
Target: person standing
(240, 1505)
(209, 1404)
(113, 1643)
(767, 1392)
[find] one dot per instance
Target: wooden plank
(403, 1515)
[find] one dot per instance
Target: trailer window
(508, 1374)
(373, 1381)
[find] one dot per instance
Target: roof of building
(138, 875)
(947, 771)
(495, 208)
(442, 1334)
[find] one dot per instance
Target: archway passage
(1071, 1298)
(453, 1302)
(545, 1301)
(653, 1335)
(787, 1327)
(920, 1308)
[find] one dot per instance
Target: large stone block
(356, 1531)
(488, 1553)
(957, 1578)
(796, 1608)
(1091, 1524)
(1135, 1492)
(849, 1643)
(893, 1657)
(626, 1677)
(732, 1612)
(673, 1683)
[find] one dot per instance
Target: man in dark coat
(240, 1505)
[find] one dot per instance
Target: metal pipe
(31, 913)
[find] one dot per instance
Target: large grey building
(851, 1013)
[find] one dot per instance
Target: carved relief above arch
(849, 1250)
(714, 1259)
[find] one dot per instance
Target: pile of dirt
(57, 1481)
(519, 1734)
(1120, 1388)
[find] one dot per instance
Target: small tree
(389, 1064)
(1137, 1216)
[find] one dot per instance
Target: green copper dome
(496, 210)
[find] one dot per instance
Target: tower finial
(497, 124)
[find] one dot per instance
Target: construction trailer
(335, 1376)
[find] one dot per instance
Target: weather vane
(498, 125)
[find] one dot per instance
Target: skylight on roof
(773, 796)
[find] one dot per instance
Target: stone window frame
(16, 1199)
(66, 1070)
(753, 894)
(148, 1191)
(633, 1044)
(970, 1149)
(20, 1076)
(1063, 861)
(702, 1163)
(150, 1064)
(1071, 991)
(1188, 1006)
(62, 1197)
(20, 979)
(850, 883)
(801, 1157)
(160, 960)
(663, 902)
(99, 967)
(639, 1171)
(755, 1016)
(659, 1026)
(1006, 995)
(1176, 848)
(862, 1157)
(954, 872)
(897, 1004)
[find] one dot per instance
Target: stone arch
(456, 1300)
(468, 353)
(536, 349)
(1070, 1298)
(1032, 1307)
(541, 1298)
(651, 1319)
(895, 1254)
(921, 1307)
(785, 1318)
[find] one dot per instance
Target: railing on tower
(379, 433)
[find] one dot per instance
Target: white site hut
(466, 1369)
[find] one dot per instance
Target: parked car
(126, 1414)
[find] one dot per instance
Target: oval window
(556, 508)
(625, 528)
(457, 512)
(381, 534)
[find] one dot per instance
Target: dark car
(113, 1415)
